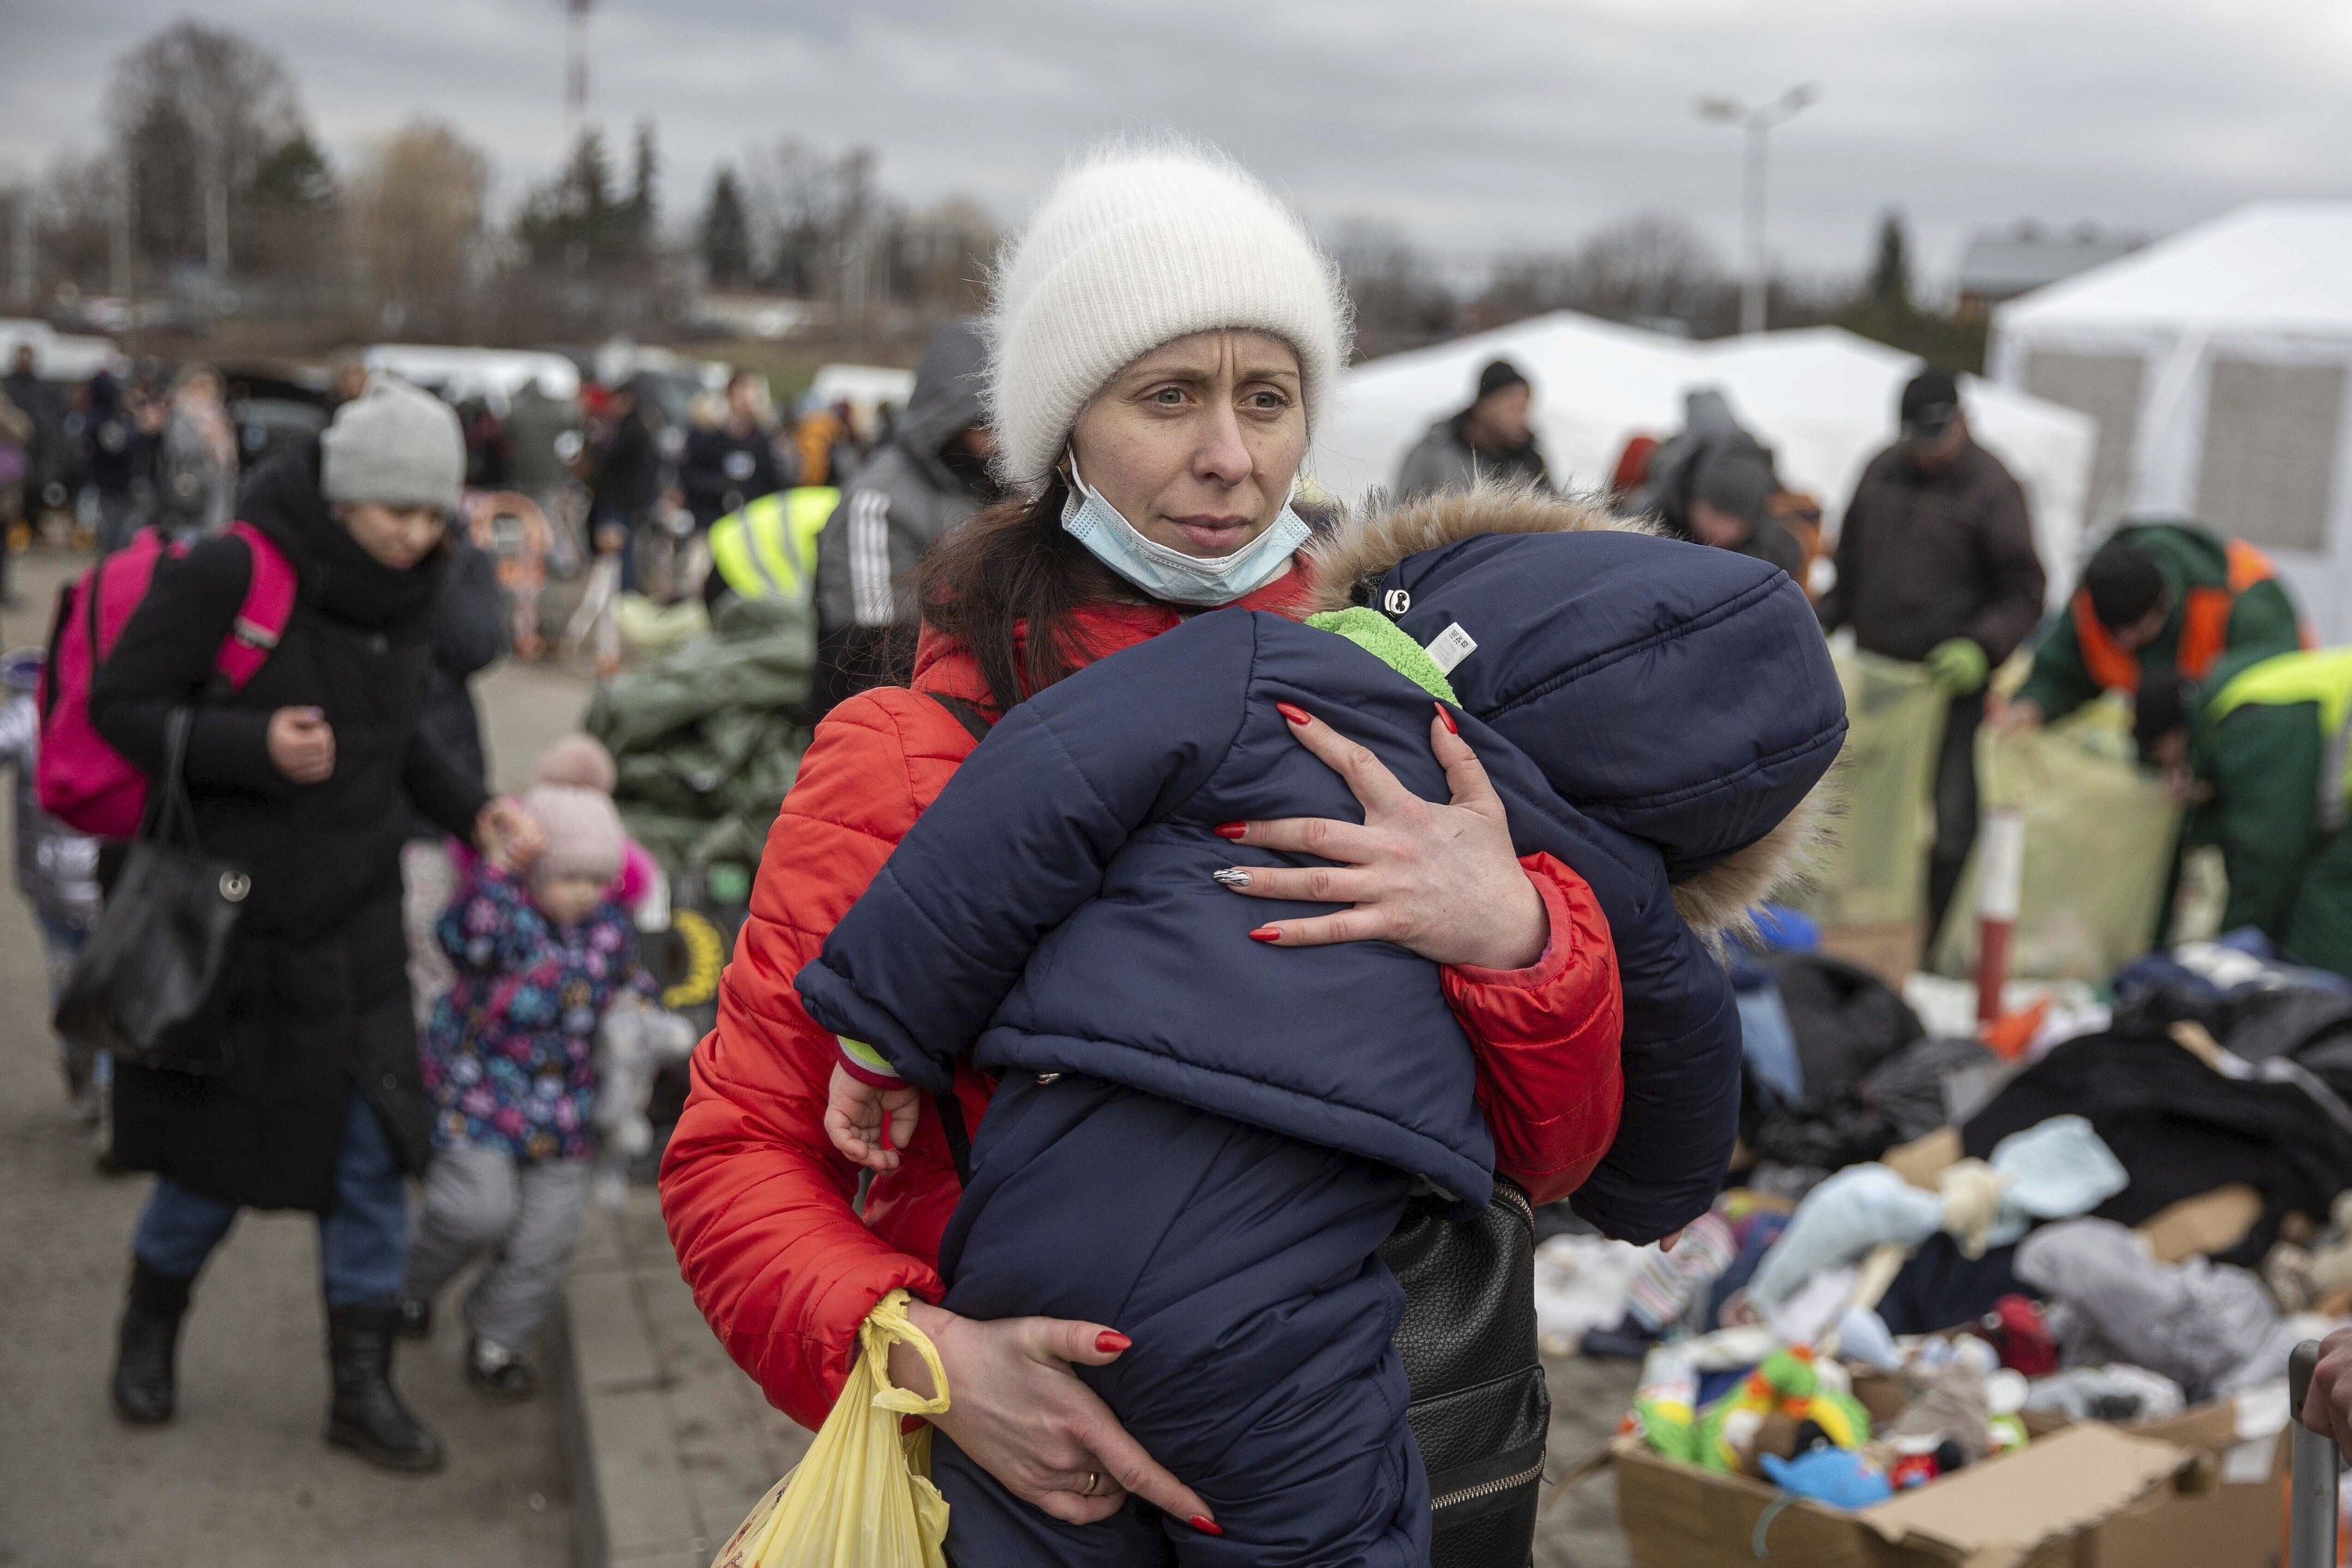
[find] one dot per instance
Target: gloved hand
(1959, 665)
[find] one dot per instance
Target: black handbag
(151, 984)
(1480, 1409)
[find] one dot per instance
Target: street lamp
(1757, 122)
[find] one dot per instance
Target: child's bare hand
(868, 1125)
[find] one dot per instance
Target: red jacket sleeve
(1546, 1037)
(756, 1198)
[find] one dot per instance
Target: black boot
(368, 1417)
(147, 1345)
(414, 1320)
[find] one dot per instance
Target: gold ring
(1094, 1479)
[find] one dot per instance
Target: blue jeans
(362, 1242)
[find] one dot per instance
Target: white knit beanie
(1134, 248)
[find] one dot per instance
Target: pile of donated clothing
(2142, 1209)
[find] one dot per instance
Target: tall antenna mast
(575, 71)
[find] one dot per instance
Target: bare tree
(940, 257)
(416, 224)
(73, 224)
(196, 113)
(1400, 301)
(815, 216)
(1654, 269)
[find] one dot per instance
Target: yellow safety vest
(2325, 677)
(767, 547)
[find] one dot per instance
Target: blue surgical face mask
(1171, 575)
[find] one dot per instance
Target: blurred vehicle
(456, 373)
(273, 411)
(62, 358)
(867, 388)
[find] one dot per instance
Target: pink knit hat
(579, 760)
(583, 831)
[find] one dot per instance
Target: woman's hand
(1016, 1408)
(506, 834)
(301, 745)
(1441, 880)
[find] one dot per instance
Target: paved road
(242, 1479)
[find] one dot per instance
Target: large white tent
(2215, 363)
(1822, 398)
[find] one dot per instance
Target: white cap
(1131, 249)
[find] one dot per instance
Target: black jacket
(628, 472)
(471, 631)
(319, 1000)
(1922, 558)
(721, 470)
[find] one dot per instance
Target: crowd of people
(1005, 1044)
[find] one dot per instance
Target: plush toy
(1838, 1476)
(1788, 1381)
(634, 1040)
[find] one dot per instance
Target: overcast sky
(1473, 125)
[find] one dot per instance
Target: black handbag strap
(968, 713)
(952, 1125)
(171, 815)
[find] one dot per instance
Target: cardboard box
(2089, 1496)
(1891, 951)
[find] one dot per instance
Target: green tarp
(2099, 839)
(708, 739)
(1873, 871)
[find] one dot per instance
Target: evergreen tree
(726, 238)
(573, 222)
(1890, 274)
(644, 210)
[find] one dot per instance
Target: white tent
(1822, 398)
(2215, 363)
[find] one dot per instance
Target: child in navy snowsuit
(1201, 1141)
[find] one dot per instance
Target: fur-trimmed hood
(1681, 694)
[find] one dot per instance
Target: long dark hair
(1008, 584)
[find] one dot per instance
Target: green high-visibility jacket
(2270, 739)
(2190, 558)
(767, 547)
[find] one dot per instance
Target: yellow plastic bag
(2099, 839)
(862, 1497)
(1873, 872)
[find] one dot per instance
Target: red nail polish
(1110, 1342)
(1206, 1526)
(1451, 727)
(1295, 713)
(1232, 829)
(1265, 933)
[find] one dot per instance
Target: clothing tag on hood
(1450, 648)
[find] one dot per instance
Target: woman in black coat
(302, 778)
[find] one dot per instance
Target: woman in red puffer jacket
(1165, 332)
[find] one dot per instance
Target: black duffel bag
(1480, 1410)
(148, 986)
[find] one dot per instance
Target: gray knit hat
(396, 446)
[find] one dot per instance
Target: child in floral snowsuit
(509, 1062)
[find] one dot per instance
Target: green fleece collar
(1386, 641)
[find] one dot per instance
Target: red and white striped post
(2000, 877)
